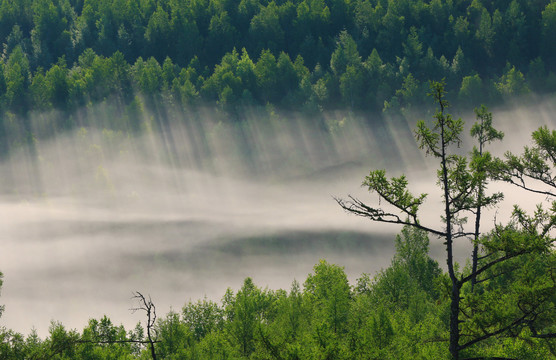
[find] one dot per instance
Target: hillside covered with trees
(369, 56)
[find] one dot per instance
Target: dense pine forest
(310, 56)
(134, 66)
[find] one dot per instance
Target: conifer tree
(462, 185)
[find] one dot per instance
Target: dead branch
(150, 309)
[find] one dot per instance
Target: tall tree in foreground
(462, 187)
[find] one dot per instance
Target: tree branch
(490, 264)
(150, 309)
(524, 186)
(357, 207)
(494, 333)
(114, 341)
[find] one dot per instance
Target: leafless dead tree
(150, 309)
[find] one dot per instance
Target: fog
(183, 211)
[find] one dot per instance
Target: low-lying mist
(186, 208)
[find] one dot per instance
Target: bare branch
(150, 309)
(357, 207)
(522, 184)
(460, 234)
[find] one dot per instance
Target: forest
(130, 66)
(311, 56)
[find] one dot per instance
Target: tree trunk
(454, 322)
(454, 298)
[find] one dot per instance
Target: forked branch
(150, 309)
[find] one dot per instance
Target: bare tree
(150, 309)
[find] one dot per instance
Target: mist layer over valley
(185, 208)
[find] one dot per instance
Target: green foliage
(482, 310)
(266, 71)
(412, 253)
(483, 130)
(535, 164)
(396, 190)
(16, 75)
(430, 140)
(512, 83)
(61, 343)
(243, 313)
(330, 293)
(174, 337)
(102, 340)
(203, 317)
(548, 31)
(518, 295)
(125, 43)
(471, 91)
(12, 345)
